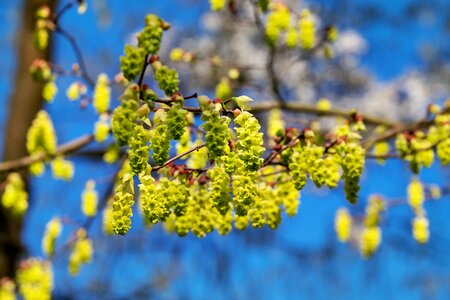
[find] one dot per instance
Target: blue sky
(302, 259)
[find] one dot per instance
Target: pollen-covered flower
(52, 232)
(89, 199)
(102, 94)
(82, 252)
(15, 196)
(35, 279)
(343, 224)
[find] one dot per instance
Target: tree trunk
(24, 104)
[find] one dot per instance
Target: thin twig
(156, 168)
(270, 65)
(78, 54)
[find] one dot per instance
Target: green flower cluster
(155, 207)
(352, 162)
(15, 196)
(107, 219)
(176, 121)
(123, 202)
(139, 149)
(150, 37)
(220, 188)
(216, 128)
(415, 148)
(131, 63)
(149, 42)
(443, 151)
(200, 214)
(439, 134)
(167, 78)
(159, 137)
(244, 190)
(249, 144)
(288, 193)
(305, 158)
(266, 209)
(176, 194)
(325, 171)
(125, 115)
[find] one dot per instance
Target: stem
(156, 168)
(78, 54)
(142, 75)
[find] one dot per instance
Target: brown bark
(25, 102)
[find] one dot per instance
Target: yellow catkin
(82, 252)
(343, 224)
(75, 91)
(291, 37)
(416, 194)
(307, 30)
(421, 233)
(52, 232)
(108, 218)
(374, 207)
(370, 240)
(112, 154)
(176, 54)
(324, 104)
(35, 279)
(49, 91)
(37, 168)
(41, 137)
(102, 128)
(89, 199)
(62, 169)
(234, 74)
(380, 149)
(102, 94)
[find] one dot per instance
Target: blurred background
(392, 59)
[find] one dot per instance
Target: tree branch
(396, 129)
(298, 107)
(64, 149)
